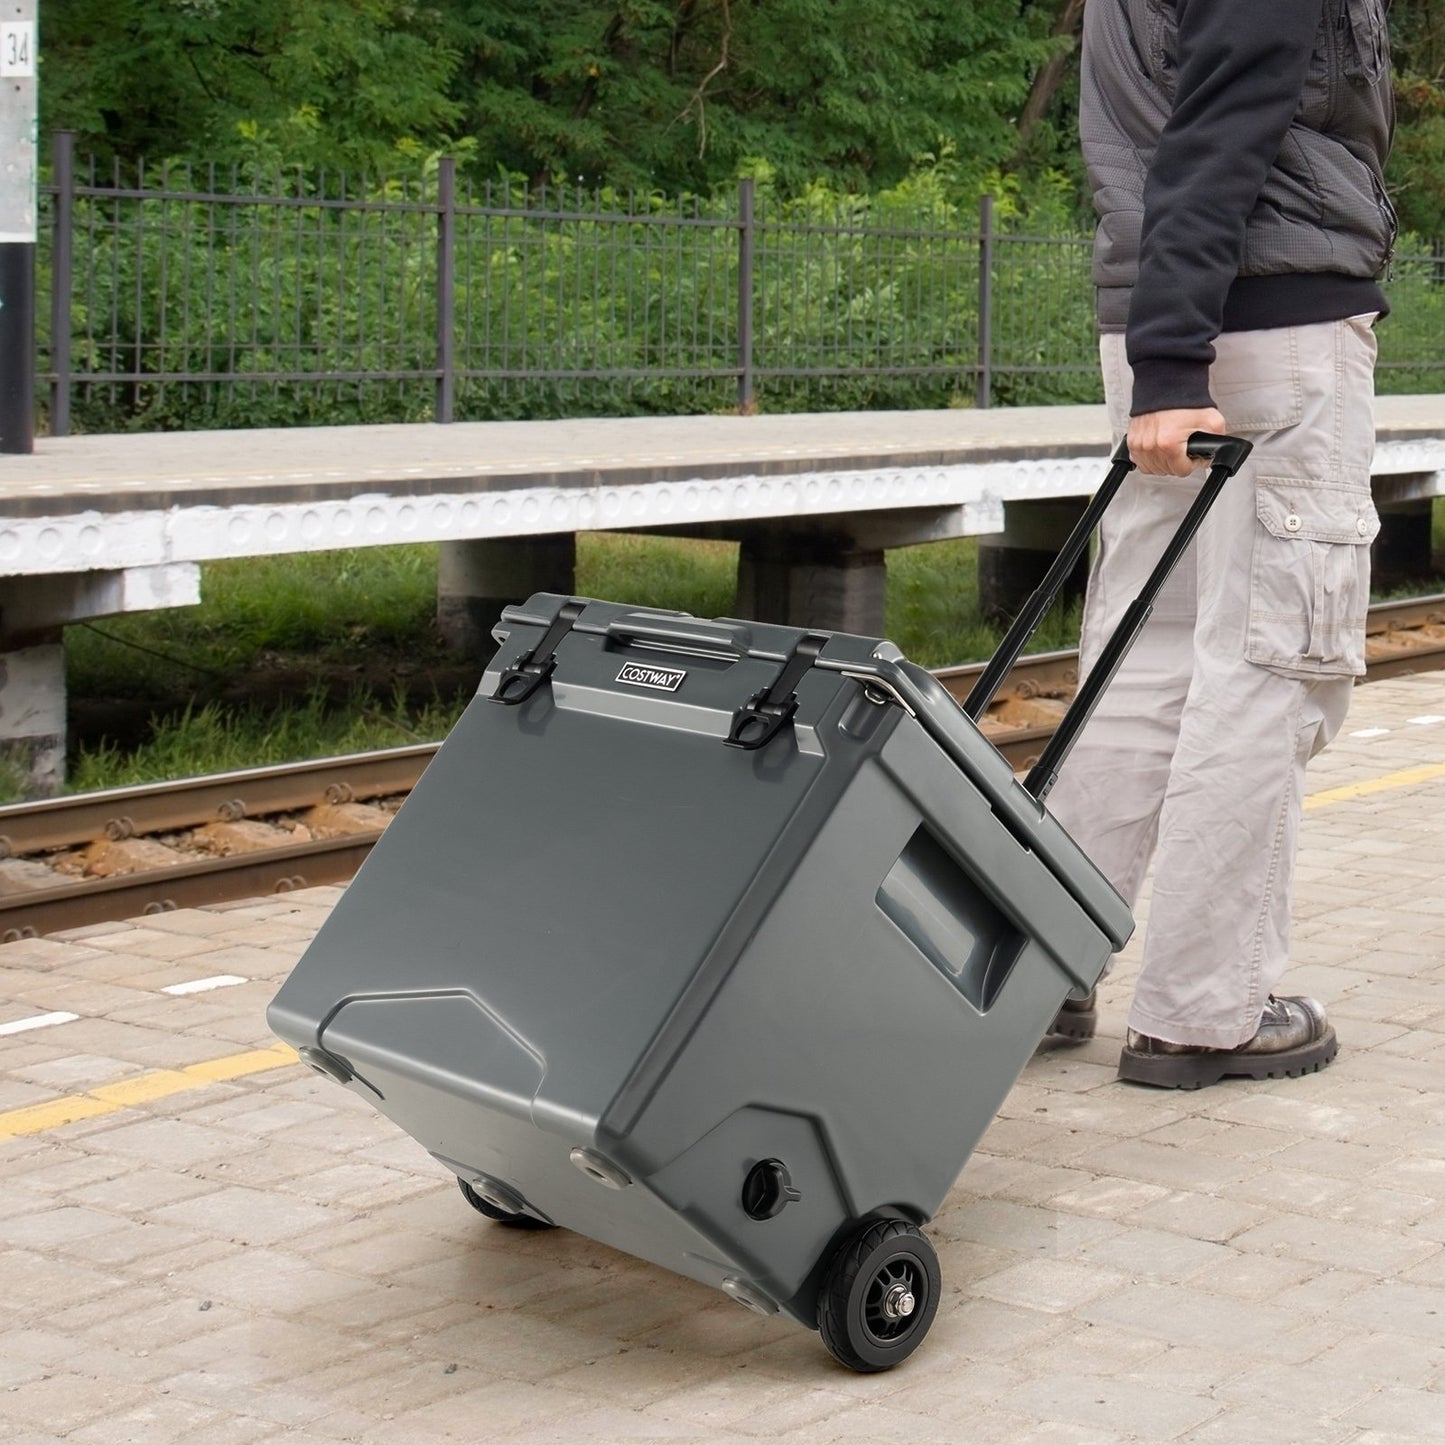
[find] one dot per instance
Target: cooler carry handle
(1226, 455)
(682, 631)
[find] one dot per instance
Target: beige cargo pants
(1196, 755)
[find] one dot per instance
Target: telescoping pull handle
(1042, 597)
(1222, 451)
(1226, 455)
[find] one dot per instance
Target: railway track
(96, 857)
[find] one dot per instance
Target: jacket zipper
(1392, 225)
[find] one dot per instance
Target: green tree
(1417, 164)
(667, 94)
(677, 93)
(311, 82)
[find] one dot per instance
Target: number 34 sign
(17, 48)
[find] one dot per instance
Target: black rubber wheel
(879, 1296)
(501, 1216)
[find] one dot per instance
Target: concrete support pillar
(1400, 554)
(811, 579)
(32, 718)
(33, 612)
(476, 579)
(1012, 563)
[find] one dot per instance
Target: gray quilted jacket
(1236, 150)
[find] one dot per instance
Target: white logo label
(641, 674)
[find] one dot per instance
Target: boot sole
(1073, 1026)
(1194, 1071)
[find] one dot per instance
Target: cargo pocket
(1310, 577)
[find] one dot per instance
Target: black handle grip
(1218, 451)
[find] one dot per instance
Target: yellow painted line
(1405, 778)
(143, 1089)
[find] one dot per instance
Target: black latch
(764, 715)
(533, 668)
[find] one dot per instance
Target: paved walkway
(201, 1241)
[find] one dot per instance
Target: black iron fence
(189, 296)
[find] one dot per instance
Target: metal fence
(189, 296)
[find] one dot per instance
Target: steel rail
(1401, 637)
(117, 813)
(1036, 674)
(184, 885)
(1405, 637)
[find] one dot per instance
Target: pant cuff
(1197, 1035)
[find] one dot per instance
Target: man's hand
(1156, 439)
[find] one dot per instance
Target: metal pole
(984, 393)
(17, 225)
(61, 265)
(746, 239)
(446, 288)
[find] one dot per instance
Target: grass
(305, 656)
(285, 658)
(327, 606)
(210, 738)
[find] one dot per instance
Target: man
(1236, 151)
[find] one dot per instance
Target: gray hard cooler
(726, 1001)
(722, 943)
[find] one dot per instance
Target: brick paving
(242, 1252)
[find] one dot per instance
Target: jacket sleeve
(1241, 72)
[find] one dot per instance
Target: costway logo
(665, 679)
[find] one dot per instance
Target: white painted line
(201, 985)
(1426, 720)
(1370, 733)
(39, 1021)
